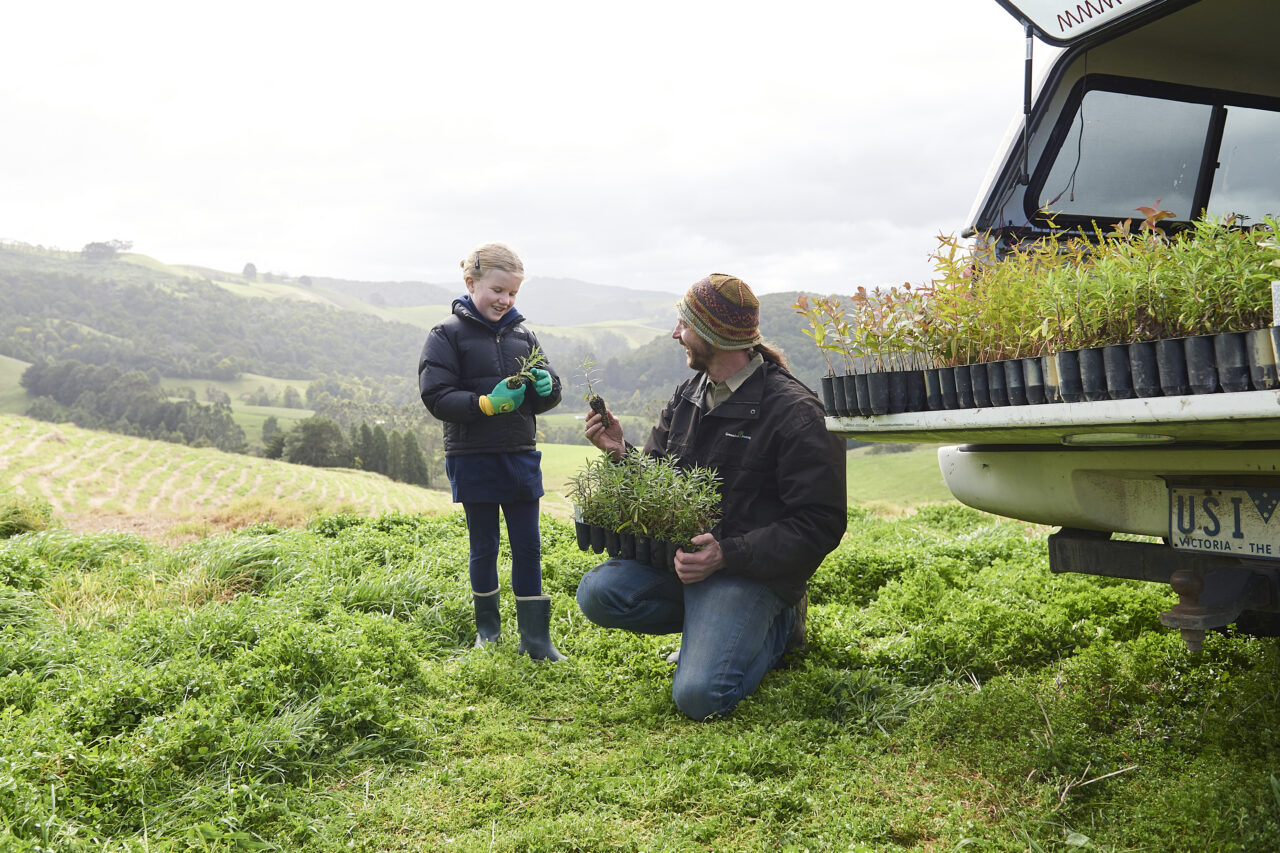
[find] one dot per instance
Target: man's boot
(488, 622)
(533, 615)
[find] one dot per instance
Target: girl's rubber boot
(533, 615)
(488, 622)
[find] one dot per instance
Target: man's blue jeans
(734, 629)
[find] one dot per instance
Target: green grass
(904, 479)
(316, 691)
(247, 383)
(251, 419)
(13, 398)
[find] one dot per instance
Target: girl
(489, 437)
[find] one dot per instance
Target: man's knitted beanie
(723, 311)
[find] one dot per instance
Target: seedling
(594, 400)
(648, 496)
(535, 358)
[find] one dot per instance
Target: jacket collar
(465, 308)
(742, 404)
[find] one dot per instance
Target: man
(739, 600)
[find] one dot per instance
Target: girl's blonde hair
(491, 256)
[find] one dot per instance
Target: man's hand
(694, 566)
(607, 439)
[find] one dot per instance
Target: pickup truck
(1177, 100)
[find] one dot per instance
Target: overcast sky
(798, 144)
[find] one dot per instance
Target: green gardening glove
(501, 399)
(541, 381)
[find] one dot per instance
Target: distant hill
(194, 322)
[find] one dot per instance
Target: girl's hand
(609, 440)
(541, 381)
(502, 399)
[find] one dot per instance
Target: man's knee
(591, 595)
(701, 701)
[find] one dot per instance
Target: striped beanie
(723, 311)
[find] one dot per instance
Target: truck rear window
(1132, 142)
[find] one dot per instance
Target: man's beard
(699, 354)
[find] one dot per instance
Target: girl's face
(494, 294)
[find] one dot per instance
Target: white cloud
(806, 144)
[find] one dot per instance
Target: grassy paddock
(316, 690)
(97, 480)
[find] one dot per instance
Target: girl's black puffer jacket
(464, 358)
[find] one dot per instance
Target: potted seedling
(833, 398)
(642, 507)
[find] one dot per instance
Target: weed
(23, 515)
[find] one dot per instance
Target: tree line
(130, 402)
(320, 442)
(104, 397)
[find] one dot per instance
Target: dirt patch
(162, 528)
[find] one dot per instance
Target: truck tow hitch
(1213, 590)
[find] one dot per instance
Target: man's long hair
(771, 353)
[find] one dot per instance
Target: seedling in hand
(535, 358)
(593, 399)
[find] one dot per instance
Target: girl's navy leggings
(523, 537)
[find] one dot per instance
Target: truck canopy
(1171, 104)
(1062, 23)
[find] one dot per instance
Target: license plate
(1241, 522)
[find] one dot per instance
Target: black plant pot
(1093, 374)
(916, 392)
(947, 382)
(1115, 364)
(657, 552)
(1229, 356)
(612, 543)
(878, 392)
(1261, 354)
(1049, 370)
(627, 546)
(1015, 384)
(850, 395)
(1144, 368)
(597, 538)
(1275, 343)
(829, 395)
(932, 389)
(897, 392)
(995, 383)
(1070, 388)
(1033, 379)
(978, 381)
(644, 547)
(583, 532)
(669, 555)
(864, 394)
(840, 404)
(964, 386)
(1171, 361)
(1202, 364)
